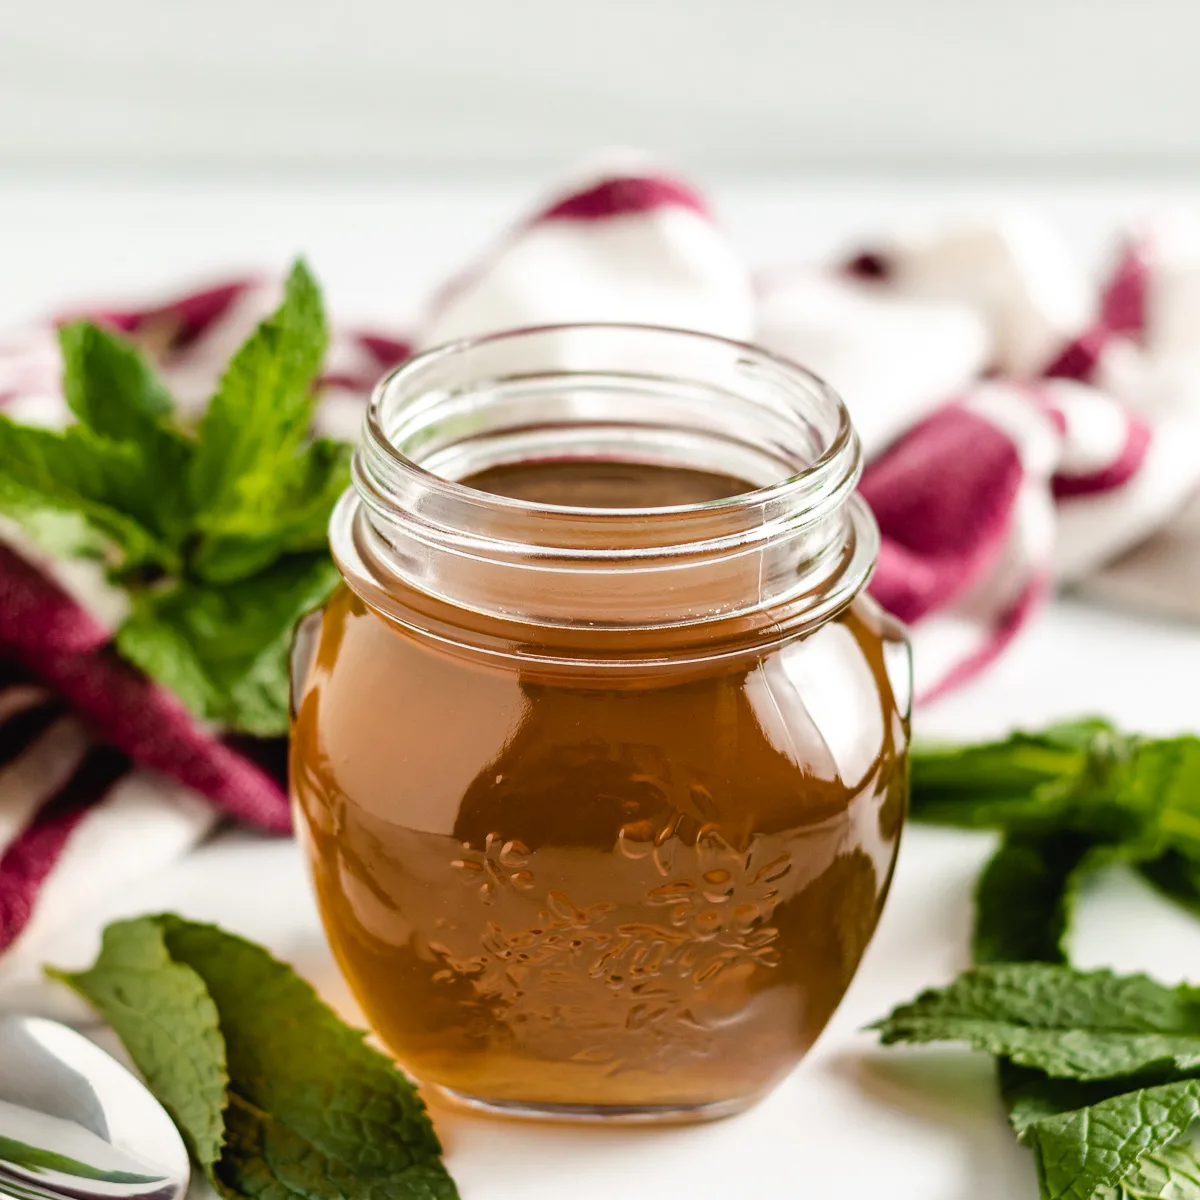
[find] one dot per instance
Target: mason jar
(599, 757)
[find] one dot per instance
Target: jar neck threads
(776, 559)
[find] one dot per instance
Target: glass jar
(600, 757)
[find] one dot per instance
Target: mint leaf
(262, 489)
(1031, 1096)
(82, 475)
(1081, 1153)
(1030, 781)
(241, 544)
(1169, 1173)
(224, 650)
(1065, 1023)
(1142, 796)
(1024, 897)
(109, 386)
(1162, 784)
(1166, 1172)
(257, 493)
(114, 392)
(162, 1012)
(56, 531)
(309, 1111)
(302, 1079)
(257, 421)
(267, 1158)
(161, 648)
(1090, 1066)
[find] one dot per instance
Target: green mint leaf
(1065, 1023)
(1166, 1172)
(239, 544)
(308, 1109)
(1162, 785)
(1031, 1096)
(1142, 797)
(262, 411)
(1169, 1173)
(162, 1012)
(312, 1098)
(115, 393)
(87, 478)
(267, 1158)
(161, 649)
(224, 650)
(1081, 1154)
(1024, 897)
(109, 386)
(59, 532)
(1029, 780)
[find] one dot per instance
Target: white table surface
(854, 1120)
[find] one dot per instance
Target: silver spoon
(76, 1125)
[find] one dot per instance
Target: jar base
(600, 1114)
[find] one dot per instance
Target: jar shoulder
(436, 739)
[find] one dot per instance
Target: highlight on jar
(599, 756)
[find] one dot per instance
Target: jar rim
(825, 468)
(776, 558)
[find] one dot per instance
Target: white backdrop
(388, 86)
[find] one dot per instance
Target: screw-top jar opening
(448, 559)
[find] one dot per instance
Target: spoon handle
(11, 1190)
(13, 1187)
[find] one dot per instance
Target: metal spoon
(76, 1125)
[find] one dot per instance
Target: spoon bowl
(76, 1125)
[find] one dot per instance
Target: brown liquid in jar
(584, 889)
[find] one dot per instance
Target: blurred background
(369, 89)
(145, 143)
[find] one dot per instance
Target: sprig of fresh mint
(273, 1094)
(217, 533)
(1100, 1073)
(1068, 800)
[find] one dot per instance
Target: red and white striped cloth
(1022, 430)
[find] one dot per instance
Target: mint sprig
(1100, 1073)
(216, 533)
(1069, 800)
(273, 1094)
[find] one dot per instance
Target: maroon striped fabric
(57, 641)
(29, 858)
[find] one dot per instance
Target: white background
(369, 87)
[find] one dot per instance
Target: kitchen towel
(1023, 430)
